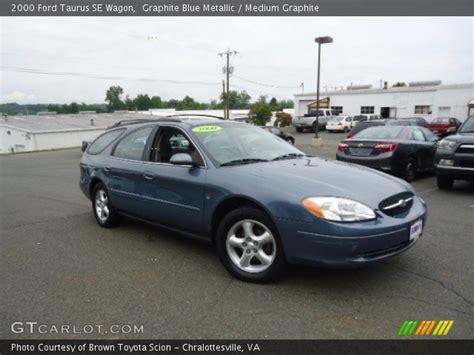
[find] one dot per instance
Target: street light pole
(319, 41)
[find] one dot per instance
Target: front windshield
(468, 126)
(241, 143)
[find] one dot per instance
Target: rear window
(365, 124)
(384, 132)
(104, 140)
(441, 120)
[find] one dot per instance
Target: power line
(267, 85)
(103, 77)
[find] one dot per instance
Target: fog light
(448, 162)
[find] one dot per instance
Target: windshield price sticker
(206, 129)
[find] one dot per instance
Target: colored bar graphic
(425, 327)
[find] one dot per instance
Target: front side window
(430, 136)
(468, 126)
(133, 145)
(367, 109)
(417, 135)
(171, 141)
(230, 144)
(104, 140)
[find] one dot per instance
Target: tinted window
(468, 126)
(132, 146)
(383, 132)
(104, 140)
(430, 136)
(365, 124)
(441, 120)
(417, 135)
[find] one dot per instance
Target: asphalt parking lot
(58, 267)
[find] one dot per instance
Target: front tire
(444, 182)
(299, 130)
(249, 246)
(104, 213)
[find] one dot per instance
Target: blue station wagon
(262, 202)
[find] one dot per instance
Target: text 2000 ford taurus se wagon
(262, 202)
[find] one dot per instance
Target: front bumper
(350, 244)
(462, 168)
(455, 172)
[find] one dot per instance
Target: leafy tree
(143, 102)
(237, 100)
(262, 99)
(260, 113)
(130, 104)
(274, 102)
(283, 119)
(113, 97)
(156, 102)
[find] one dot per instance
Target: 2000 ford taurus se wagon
(262, 202)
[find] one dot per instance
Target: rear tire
(444, 182)
(291, 141)
(411, 167)
(249, 246)
(104, 213)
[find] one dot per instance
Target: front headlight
(446, 144)
(338, 209)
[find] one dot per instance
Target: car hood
(305, 177)
(461, 138)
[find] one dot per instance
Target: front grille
(397, 204)
(466, 163)
(466, 149)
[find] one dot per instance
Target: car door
(174, 194)
(424, 148)
(125, 168)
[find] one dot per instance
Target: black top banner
(236, 8)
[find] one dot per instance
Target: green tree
(274, 102)
(143, 102)
(262, 99)
(260, 113)
(156, 102)
(130, 104)
(113, 97)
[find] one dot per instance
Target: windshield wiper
(243, 161)
(289, 156)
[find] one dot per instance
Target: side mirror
(452, 130)
(181, 159)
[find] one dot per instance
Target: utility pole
(227, 71)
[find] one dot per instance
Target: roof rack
(195, 115)
(143, 120)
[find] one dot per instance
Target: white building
(422, 99)
(50, 131)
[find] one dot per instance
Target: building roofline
(390, 90)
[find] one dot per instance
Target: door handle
(107, 168)
(148, 175)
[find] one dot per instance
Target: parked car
(455, 156)
(383, 122)
(401, 150)
(415, 121)
(340, 124)
(367, 117)
(444, 126)
(279, 133)
(309, 120)
(260, 201)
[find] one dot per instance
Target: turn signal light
(386, 147)
(341, 147)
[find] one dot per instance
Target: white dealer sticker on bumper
(415, 230)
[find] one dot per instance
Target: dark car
(279, 133)
(401, 150)
(260, 201)
(443, 126)
(455, 156)
(409, 121)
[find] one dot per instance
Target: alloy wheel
(102, 205)
(251, 246)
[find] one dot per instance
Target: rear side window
(133, 145)
(104, 140)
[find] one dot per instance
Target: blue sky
(273, 51)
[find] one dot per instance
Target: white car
(341, 124)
